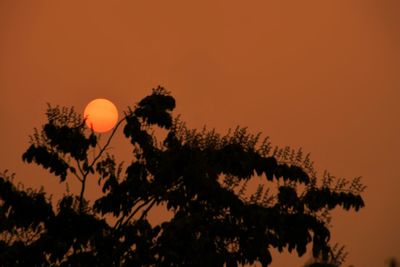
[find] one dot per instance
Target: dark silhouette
(199, 176)
(392, 262)
(336, 258)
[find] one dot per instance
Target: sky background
(321, 75)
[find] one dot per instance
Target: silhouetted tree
(335, 258)
(200, 176)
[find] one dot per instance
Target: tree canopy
(200, 176)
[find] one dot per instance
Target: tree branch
(138, 208)
(77, 176)
(119, 221)
(147, 209)
(80, 168)
(106, 145)
(86, 173)
(81, 194)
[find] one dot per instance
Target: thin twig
(107, 143)
(136, 210)
(79, 167)
(147, 209)
(77, 176)
(94, 161)
(124, 216)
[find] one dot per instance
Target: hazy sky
(322, 75)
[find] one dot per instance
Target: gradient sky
(322, 75)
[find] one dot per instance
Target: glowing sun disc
(101, 115)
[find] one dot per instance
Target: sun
(101, 115)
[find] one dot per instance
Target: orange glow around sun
(101, 115)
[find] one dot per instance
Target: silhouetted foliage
(392, 262)
(200, 176)
(335, 258)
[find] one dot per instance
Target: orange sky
(323, 75)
